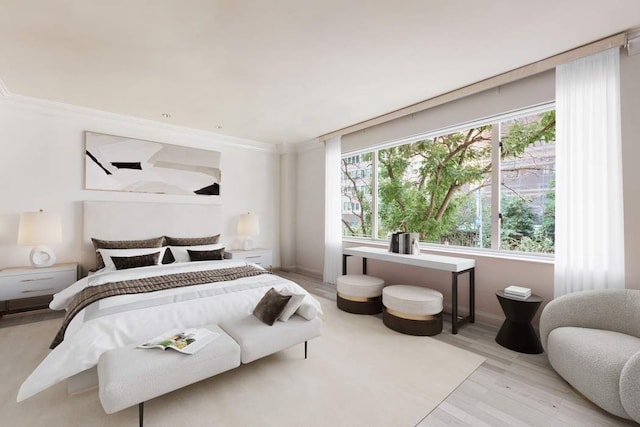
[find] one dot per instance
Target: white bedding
(125, 319)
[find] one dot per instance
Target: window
(489, 185)
(357, 195)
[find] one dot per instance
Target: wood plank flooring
(509, 389)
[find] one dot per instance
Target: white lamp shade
(249, 225)
(38, 228)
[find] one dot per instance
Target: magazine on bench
(187, 341)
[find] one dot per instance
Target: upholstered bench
(412, 310)
(130, 376)
(257, 340)
(359, 294)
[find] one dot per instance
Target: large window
(488, 185)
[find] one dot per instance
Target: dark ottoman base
(413, 327)
(370, 306)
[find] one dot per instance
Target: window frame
(495, 250)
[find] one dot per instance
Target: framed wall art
(118, 163)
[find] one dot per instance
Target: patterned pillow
(271, 306)
(191, 241)
(212, 255)
(156, 242)
(125, 262)
(186, 241)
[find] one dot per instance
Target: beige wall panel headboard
(132, 220)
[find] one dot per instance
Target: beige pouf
(360, 294)
(412, 310)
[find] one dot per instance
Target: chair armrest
(630, 387)
(589, 309)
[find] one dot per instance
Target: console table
(456, 266)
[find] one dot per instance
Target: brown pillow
(124, 262)
(271, 306)
(212, 255)
(186, 241)
(156, 242)
(191, 241)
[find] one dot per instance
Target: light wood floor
(509, 389)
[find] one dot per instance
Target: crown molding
(312, 144)
(286, 148)
(60, 109)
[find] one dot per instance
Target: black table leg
(344, 264)
(472, 295)
(364, 266)
(141, 413)
(454, 303)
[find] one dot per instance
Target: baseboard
(308, 272)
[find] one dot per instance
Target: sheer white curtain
(332, 212)
(589, 211)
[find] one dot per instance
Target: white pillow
(308, 311)
(108, 253)
(181, 255)
(292, 305)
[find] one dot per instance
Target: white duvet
(126, 319)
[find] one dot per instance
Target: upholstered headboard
(134, 220)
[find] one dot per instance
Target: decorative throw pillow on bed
(125, 262)
(271, 306)
(211, 255)
(169, 256)
(156, 242)
(191, 241)
(181, 253)
(291, 307)
(109, 254)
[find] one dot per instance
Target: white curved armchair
(592, 339)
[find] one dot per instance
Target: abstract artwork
(119, 163)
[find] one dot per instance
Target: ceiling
(280, 71)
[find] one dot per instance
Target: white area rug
(359, 373)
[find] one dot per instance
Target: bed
(219, 290)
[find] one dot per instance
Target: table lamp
(248, 226)
(38, 229)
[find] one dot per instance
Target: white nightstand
(262, 257)
(20, 283)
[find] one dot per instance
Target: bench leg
(141, 413)
(305, 349)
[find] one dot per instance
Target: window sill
(460, 251)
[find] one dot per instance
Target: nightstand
(20, 287)
(262, 257)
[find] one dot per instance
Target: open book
(186, 341)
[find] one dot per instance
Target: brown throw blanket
(150, 284)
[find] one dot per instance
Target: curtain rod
(537, 67)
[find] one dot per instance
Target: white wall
(42, 166)
(310, 210)
(288, 209)
(630, 105)
(491, 273)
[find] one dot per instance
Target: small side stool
(412, 310)
(360, 294)
(517, 333)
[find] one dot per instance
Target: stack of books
(517, 292)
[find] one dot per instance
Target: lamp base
(42, 256)
(247, 245)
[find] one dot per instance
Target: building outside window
(487, 185)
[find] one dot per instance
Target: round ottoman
(360, 294)
(412, 310)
